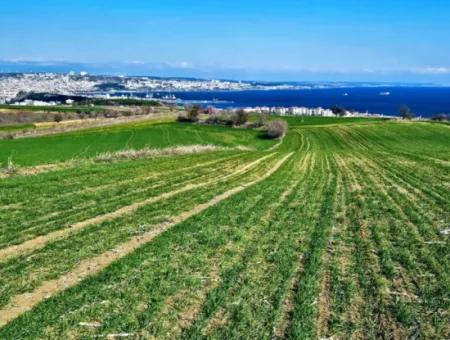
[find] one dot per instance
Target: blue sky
(381, 40)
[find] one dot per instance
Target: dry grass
(109, 157)
(148, 153)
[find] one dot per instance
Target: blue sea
(423, 101)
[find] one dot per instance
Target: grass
(54, 108)
(91, 142)
(16, 127)
(345, 240)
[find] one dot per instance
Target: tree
(193, 112)
(338, 111)
(405, 112)
(58, 117)
(277, 128)
(241, 117)
(263, 117)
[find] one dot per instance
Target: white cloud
(182, 64)
(431, 70)
(135, 62)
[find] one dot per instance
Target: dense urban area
(86, 84)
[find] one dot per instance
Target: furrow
(25, 302)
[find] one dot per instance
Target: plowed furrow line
(377, 321)
(42, 228)
(325, 304)
(400, 182)
(304, 315)
(103, 178)
(425, 185)
(71, 211)
(400, 213)
(252, 269)
(113, 182)
(405, 289)
(119, 191)
(382, 239)
(346, 299)
(23, 303)
(315, 186)
(44, 239)
(186, 317)
(24, 273)
(421, 209)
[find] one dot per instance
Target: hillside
(341, 230)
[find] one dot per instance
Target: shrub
(277, 128)
(183, 118)
(405, 112)
(338, 111)
(191, 114)
(214, 119)
(225, 118)
(240, 117)
(262, 118)
(58, 117)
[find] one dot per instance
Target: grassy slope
(15, 127)
(50, 108)
(88, 143)
(344, 241)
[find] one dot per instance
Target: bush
(191, 114)
(225, 118)
(338, 111)
(262, 118)
(214, 119)
(240, 118)
(277, 128)
(58, 117)
(405, 112)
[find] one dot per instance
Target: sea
(423, 101)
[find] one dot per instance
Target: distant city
(93, 85)
(281, 98)
(82, 83)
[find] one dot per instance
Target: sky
(334, 40)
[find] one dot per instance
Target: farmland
(341, 229)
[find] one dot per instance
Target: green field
(340, 231)
(90, 142)
(53, 108)
(16, 127)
